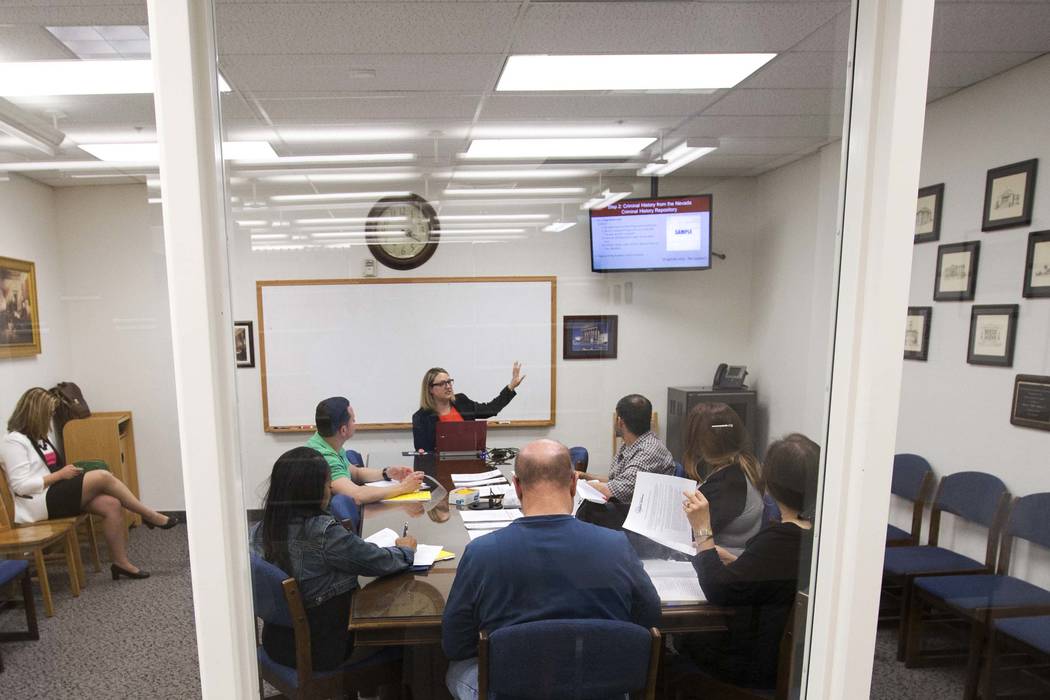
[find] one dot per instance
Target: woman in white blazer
(42, 488)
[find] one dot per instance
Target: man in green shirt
(335, 425)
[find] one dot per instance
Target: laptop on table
(461, 439)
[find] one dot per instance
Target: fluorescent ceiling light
(109, 77)
(603, 200)
(28, 129)
(534, 174)
(339, 221)
(487, 191)
(455, 231)
(494, 217)
(343, 158)
(334, 196)
(150, 152)
(252, 222)
(348, 234)
(556, 131)
(558, 148)
(558, 226)
(290, 135)
(703, 71)
(269, 236)
(340, 177)
(682, 154)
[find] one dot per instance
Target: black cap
(331, 415)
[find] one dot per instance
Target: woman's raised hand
(697, 510)
(516, 376)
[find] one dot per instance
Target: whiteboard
(372, 340)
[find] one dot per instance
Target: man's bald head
(544, 462)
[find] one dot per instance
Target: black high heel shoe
(173, 520)
(118, 571)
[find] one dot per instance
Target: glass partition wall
(469, 186)
(85, 301)
(972, 405)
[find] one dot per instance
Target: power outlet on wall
(370, 267)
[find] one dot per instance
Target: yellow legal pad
(414, 496)
(445, 555)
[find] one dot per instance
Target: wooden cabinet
(110, 437)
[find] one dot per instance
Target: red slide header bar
(663, 205)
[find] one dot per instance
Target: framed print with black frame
(244, 344)
(993, 328)
(19, 312)
(589, 337)
(956, 277)
(1031, 405)
(917, 333)
(928, 213)
(1037, 266)
(1009, 192)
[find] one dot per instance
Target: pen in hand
(404, 530)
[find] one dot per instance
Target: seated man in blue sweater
(545, 566)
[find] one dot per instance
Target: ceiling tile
(809, 69)
(780, 102)
(349, 108)
(763, 127)
(989, 26)
(959, 69)
(612, 106)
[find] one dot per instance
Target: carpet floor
(136, 639)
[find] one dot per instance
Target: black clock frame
(372, 231)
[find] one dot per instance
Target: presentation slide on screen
(652, 234)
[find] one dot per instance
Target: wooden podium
(110, 437)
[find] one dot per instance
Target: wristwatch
(385, 477)
(703, 534)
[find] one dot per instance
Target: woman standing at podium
(438, 402)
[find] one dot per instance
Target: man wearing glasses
(439, 402)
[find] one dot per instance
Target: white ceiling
(307, 75)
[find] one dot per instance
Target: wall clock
(402, 231)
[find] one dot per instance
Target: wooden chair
(912, 480)
(11, 571)
(32, 540)
(276, 599)
(78, 523)
(654, 425)
(564, 659)
(789, 666)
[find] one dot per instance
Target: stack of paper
(674, 581)
(474, 534)
(426, 554)
(494, 476)
(383, 483)
(587, 492)
(657, 513)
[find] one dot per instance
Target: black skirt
(63, 498)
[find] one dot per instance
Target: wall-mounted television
(660, 233)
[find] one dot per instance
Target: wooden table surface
(406, 608)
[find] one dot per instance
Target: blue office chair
(579, 457)
(679, 470)
(345, 510)
(977, 598)
(12, 570)
(912, 481)
(277, 601)
(355, 458)
(770, 511)
(1028, 635)
(568, 660)
(973, 496)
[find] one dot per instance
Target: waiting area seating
(10, 572)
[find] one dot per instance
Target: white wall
(28, 232)
(955, 414)
(115, 289)
(675, 330)
(792, 292)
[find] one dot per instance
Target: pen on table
(404, 530)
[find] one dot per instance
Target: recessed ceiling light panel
(558, 148)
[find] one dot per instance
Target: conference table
(405, 609)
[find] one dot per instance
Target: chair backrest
(974, 496)
(1029, 519)
(570, 659)
(355, 458)
(770, 510)
(276, 599)
(345, 510)
(909, 475)
(7, 503)
(579, 457)
(792, 649)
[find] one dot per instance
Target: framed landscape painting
(19, 313)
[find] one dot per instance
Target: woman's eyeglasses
(444, 384)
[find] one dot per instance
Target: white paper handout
(474, 534)
(469, 478)
(383, 483)
(486, 526)
(656, 510)
(383, 538)
(589, 493)
(674, 581)
(480, 484)
(426, 554)
(489, 516)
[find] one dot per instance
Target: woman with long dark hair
(718, 453)
(44, 487)
(299, 536)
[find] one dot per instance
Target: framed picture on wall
(992, 332)
(589, 337)
(1008, 195)
(1031, 404)
(243, 344)
(19, 312)
(917, 333)
(1037, 265)
(956, 278)
(928, 213)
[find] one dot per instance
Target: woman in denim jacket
(299, 536)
